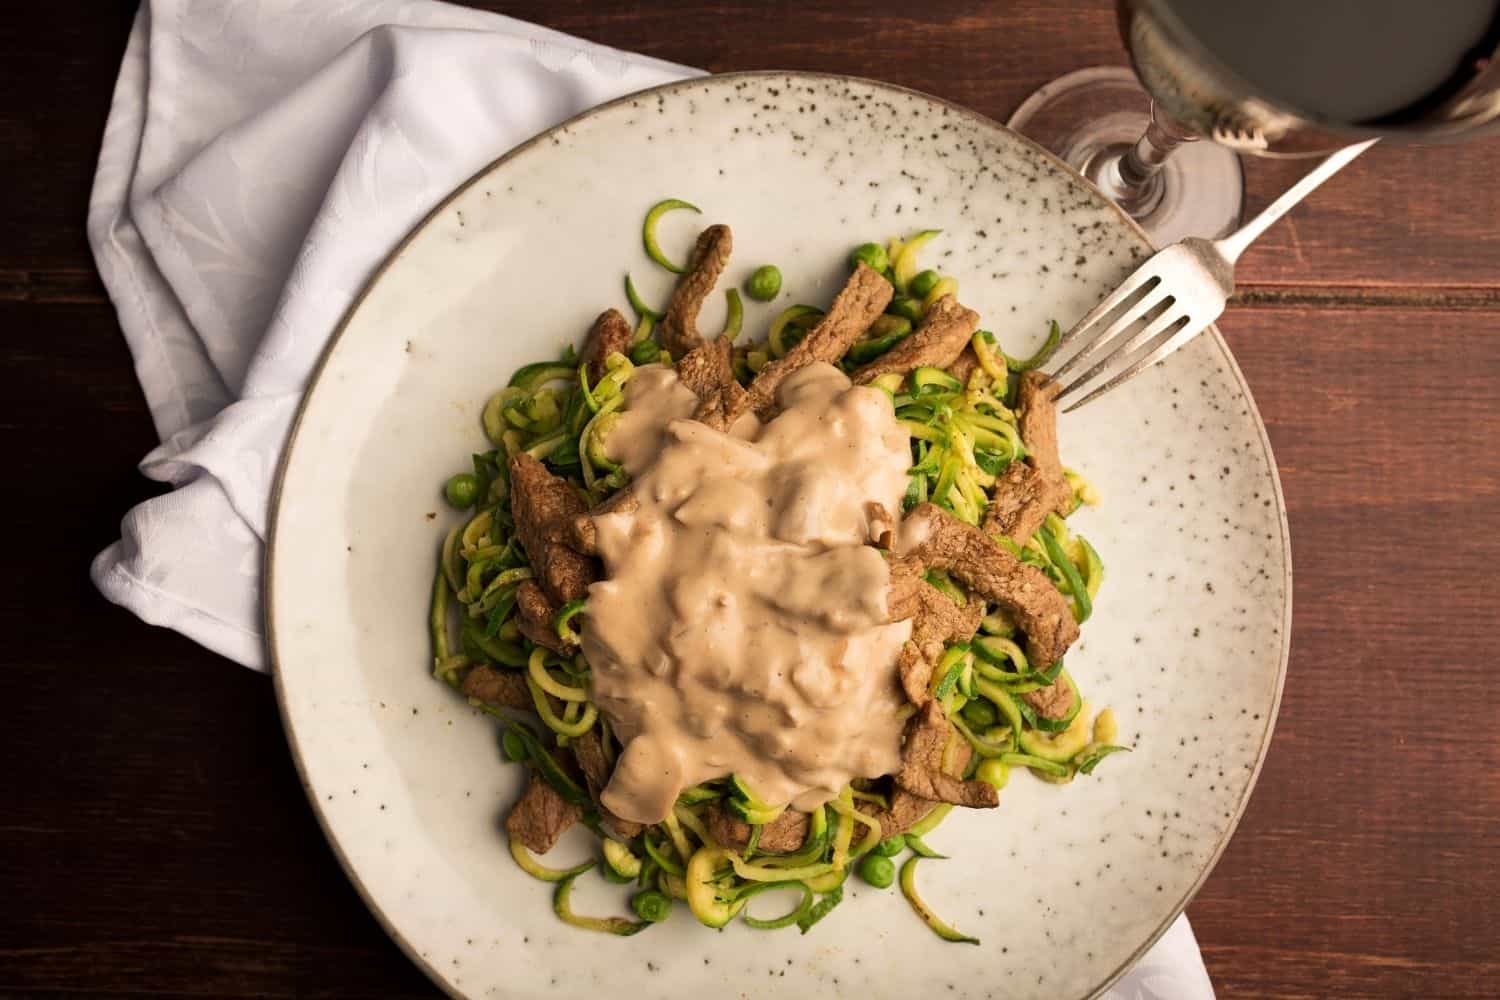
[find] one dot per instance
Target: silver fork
(1170, 299)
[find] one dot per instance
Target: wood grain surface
(154, 839)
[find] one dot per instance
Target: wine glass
(1270, 78)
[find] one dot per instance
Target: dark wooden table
(154, 839)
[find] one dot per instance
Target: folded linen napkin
(261, 159)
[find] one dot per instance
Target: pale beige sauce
(742, 628)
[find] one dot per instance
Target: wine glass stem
(1133, 179)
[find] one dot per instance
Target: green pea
(872, 254)
(905, 307)
(891, 846)
(462, 490)
(765, 284)
(651, 905)
(513, 746)
(923, 282)
(878, 871)
(993, 772)
(980, 714)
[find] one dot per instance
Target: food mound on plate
(759, 615)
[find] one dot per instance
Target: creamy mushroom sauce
(742, 627)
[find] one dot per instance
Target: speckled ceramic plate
(1065, 885)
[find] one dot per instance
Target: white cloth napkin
(261, 158)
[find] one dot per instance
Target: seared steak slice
(936, 621)
(1054, 701)
(544, 507)
(859, 303)
(964, 365)
(938, 540)
(610, 334)
(1028, 491)
(1037, 398)
(922, 771)
(782, 835)
(708, 370)
(540, 816)
(942, 337)
(679, 324)
(588, 751)
(535, 613)
(498, 688)
(582, 535)
(1020, 501)
(905, 810)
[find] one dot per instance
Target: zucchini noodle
(734, 319)
(793, 915)
(765, 873)
(637, 303)
(536, 667)
(844, 806)
(794, 320)
(689, 819)
(1054, 334)
(562, 906)
(655, 853)
(648, 231)
(531, 866)
(679, 838)
(904, 257)
(560, 726)
(939, 927)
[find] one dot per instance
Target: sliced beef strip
(610, 334)
(1036, 395)
(783, 835)
(964, 365)
(679, 324)
(535, 614)
(944, 333)
(905, 596)
(1030, 490)
(905, 811)
(1054, 701)
(503, 689)
(583, 536)
(922, 773)
(988, 569)
(540, 816)
(588, 751)
(936, 621)
(1023, 497)
(498, 688)
(942, 621)
(1020, 501)
(544, 507)
(858, 305)
(708, 370)
(916, 673)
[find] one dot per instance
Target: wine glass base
(1091, 117)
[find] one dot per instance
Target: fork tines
(1143, 321)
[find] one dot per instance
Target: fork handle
(1235, 243)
